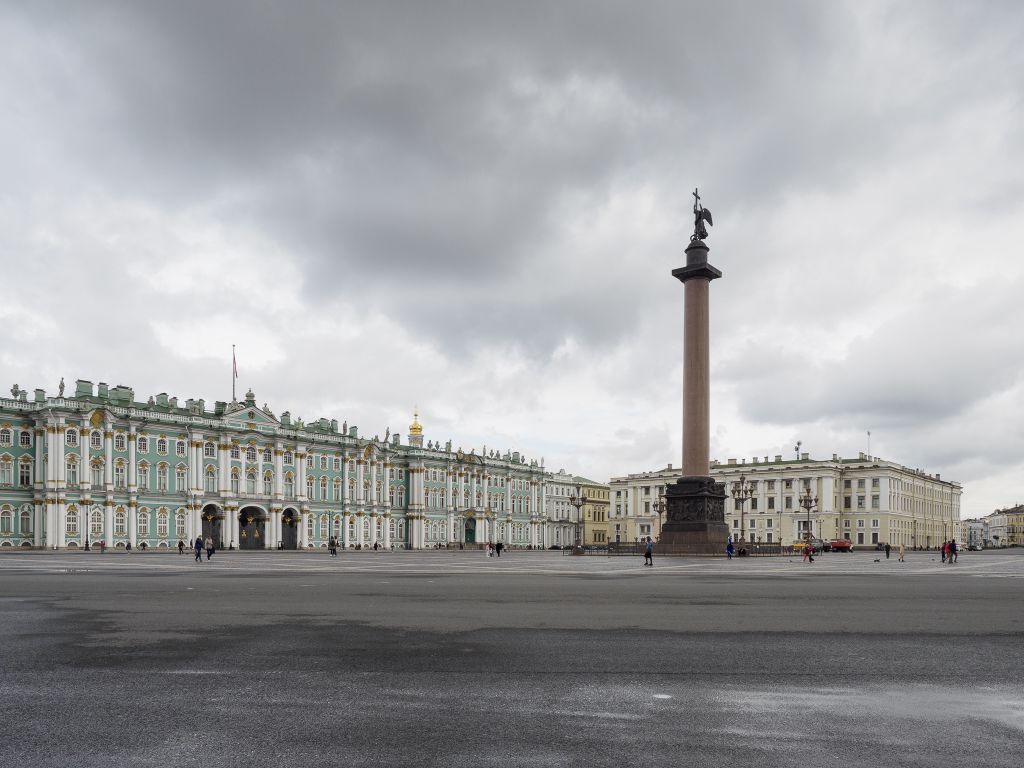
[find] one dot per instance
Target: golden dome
(416, 428)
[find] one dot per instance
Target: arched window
(179, 525)
(401, 496)
(96, 523)
(250, 455)
(25, 439)
(380, 493)
(323, 462)
(143, 526)
(337, 490)
(6, 471)
(161, 523)
(268, 457)
(391, 530)
(71, 521)
(72, 470)
(6, 521)
(95, 439)
(5, 437)
(161, 477)
(323, 489)
(288, 458)
(268, 483)
(25, 471)
(26, 522)
(236, 452)
(391, 497)
(310, 485)
(289, 485)
(211, 479)
(71, 438)
(143, 476)
(235, 480)
(250, 481)
(120, 522)
(309, 527)
(351, 489)
(309, 461)
(120, 442)
(142, 444)
(179, 448)
(161, 446)
(179, 478)
(119, 473)
(323, 526)
(209, 450)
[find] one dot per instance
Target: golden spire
(416, 428)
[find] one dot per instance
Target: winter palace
(98, 467)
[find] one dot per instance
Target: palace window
(391, 497)
(309, 461)
(250, 455)
(289, 485)
(179, 479)
(6, 471)
(96, 523)
(179, 525)
(143, 477)
(771, 502)
(120, 442)
(323, 489)
(143, 444)
(6, 521)
(268, 483)
(235, 481)
(161, 524)
(875, 501)
(161, 478)
(96, 471)
(161, 446)
(95, 439)
(268, 457)
(25, 439)
(72, 471)
(119, 476)
(235, 452)
(71, 521)
(179, 448)
(26, 522)
(5, 437)
(211, 479)
(71, 438)
(309, 487)
(25, 473)
(120, 523)
(309, 528)
(209, 451)
(250, 482)
(323, 462)
(860, 502)
(337, 490)
(351, 489)
(288, 458)
(143, 524)
(337, 464)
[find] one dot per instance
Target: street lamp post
(578, 499)
(659, 510)
(808, 503)
(741, 492)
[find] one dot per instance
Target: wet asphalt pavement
(449, 659)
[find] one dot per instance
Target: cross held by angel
(700, 215)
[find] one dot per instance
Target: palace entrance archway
(290, 521)
(471, 531)
(213, 519)
(252, 528)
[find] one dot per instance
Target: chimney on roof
(778, 457)
(804, 456)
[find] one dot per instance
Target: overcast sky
(475, 208)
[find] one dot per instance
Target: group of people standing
(494, 549)
(201, 544)
(950, 551)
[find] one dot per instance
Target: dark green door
(251, 532)
(471, 531)
(211, 530)
(289, 531)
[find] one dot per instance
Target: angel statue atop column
(700, 215)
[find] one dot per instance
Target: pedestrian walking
(181, 547)
(887, 550)
(901, 553)
(649, 553)
(953, 551)
(945, 550)
(497, 548)
(198, 546)
(729, 548)
(209, 548)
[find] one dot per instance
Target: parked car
(974, 547)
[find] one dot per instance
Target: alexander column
(695, 504)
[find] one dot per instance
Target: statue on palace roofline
(15, 390)
(60, 387)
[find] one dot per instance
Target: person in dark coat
(729, 549)
(649, 553)
(181, 547)
(198, 546)
(498, 547)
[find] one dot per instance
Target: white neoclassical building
(867, 500)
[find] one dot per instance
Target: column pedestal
(695, 517)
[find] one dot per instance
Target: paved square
(454, 659)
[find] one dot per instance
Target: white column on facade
(133, 524)
(278, 470)
(133, 464)
(373, 527)
(385, 527)
(449, 490)
(360, 495)
(345, 518)
(223, 466)
(373, 489)
(108, 522)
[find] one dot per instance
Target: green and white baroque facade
(99, 467)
